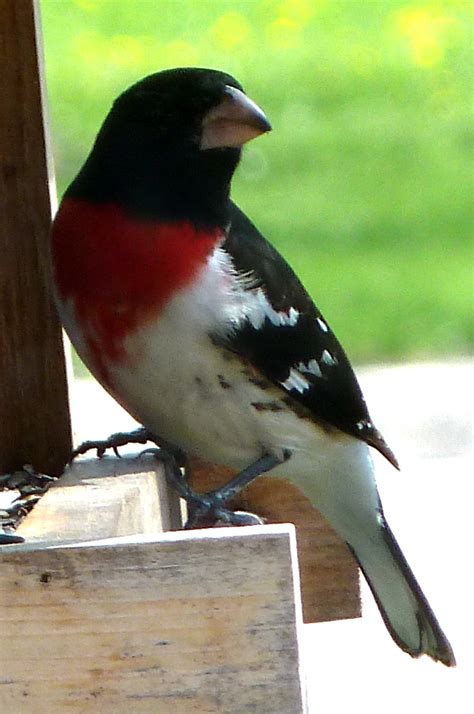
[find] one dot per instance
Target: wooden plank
(34, 413)
(329, 574)
(103, 498)
(202, 623)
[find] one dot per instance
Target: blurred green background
(365, 184)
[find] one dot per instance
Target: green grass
(366, 182)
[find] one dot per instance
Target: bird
(202, 331)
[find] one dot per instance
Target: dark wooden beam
(34, 412)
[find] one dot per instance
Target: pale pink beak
(236, 120)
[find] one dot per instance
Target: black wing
(304, 346)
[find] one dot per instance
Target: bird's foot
(123, 438)
(206, 509)
(211, 505)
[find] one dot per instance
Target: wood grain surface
(104, 498)
(195, 622)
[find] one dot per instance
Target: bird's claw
(114, 442)
(10, 538)
(221, 516)
(209, 508)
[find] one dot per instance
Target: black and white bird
(202, 331)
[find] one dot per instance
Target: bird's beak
(233, 122)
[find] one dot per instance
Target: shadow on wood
(329, 574)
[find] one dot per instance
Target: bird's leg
(211, 504)
(174, 460)
(201, 507)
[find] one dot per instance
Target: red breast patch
(120, 271)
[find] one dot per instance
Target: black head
(170, 145)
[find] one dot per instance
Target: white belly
(199, 397)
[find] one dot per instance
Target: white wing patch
(296, 380)
(311, 368)
(259, 309)
(235, 299)
(224, 299)
(328, 359)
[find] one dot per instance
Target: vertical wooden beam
(34, 412)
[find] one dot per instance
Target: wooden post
(34, 412)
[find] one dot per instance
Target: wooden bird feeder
(108, 606)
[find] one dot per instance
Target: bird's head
(201, 108)
(170, 145)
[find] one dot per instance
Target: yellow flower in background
(231, 30)
(300, 10)
(293, 16)
(89, 46)
(119, 51)
(284, 33)
(87, 5)
(428, 32)
(125, 51)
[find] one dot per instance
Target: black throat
(153, 180)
